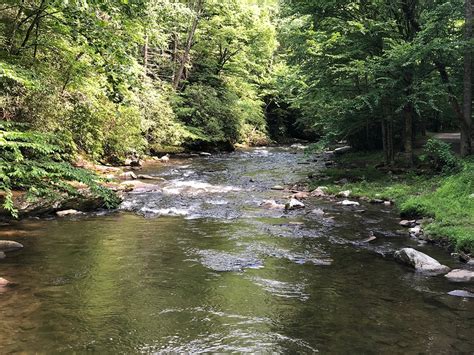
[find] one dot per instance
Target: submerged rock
(318, 212)
(460, 275)
(420, 261)
(9, 245)
(2, 255)
(461, 293)
(4, 282)
(348, 203)
(294, 204)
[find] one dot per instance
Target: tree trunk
(466, 123)
(408, 133)
(16, 22)
(189, 42)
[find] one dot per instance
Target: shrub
(440, 157)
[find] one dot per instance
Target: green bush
(439, 156)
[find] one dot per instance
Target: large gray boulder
(9, 245)
(460, 275)
(420, 261)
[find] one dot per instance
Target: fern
(38, 163)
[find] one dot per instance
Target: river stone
(2, 255)
(346, 193)
(349, 203)
(205, 154)
(65, 213)
(461, 293)
(420, 261)
(460, 275)
(294, 204)
(301, 195)
(4, 282)
(416, 231)
(9, 245)
(320, 191)
(406, 223)
(342, 150)
(128, 175)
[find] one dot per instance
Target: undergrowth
(38, 163)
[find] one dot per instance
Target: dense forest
(106, 79)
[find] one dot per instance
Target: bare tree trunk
(35, 21)
(189, 42)
(466, 123)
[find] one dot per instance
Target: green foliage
(37, 162)
(440, 157)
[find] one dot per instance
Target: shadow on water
(198, 265)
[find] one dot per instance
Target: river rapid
(196, 264)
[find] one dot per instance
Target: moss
(446, 199)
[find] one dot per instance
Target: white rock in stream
(346, 193)
(420, 261)
(272, 205)
(128, 175)
(460, 275)
(349, 203)
(294, 204)
(9, 245)
(65, 213)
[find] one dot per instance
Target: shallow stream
(198, 265)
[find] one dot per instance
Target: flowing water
(194, 263)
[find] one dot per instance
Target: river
(199, 265)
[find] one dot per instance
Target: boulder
(65, 213)
(342, 150)
(460, 275)
(348, 203)
(420, 261)
(301, 195)
(294, 204)
(320, 191)
(9, 245)
(128, 175)
(461, 293)
(407, 224)
(416, 231)
(346, 193)
(165, 158)
(272, 205)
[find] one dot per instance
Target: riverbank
(445, 202)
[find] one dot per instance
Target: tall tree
(467, 135)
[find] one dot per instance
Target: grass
(447, 199)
